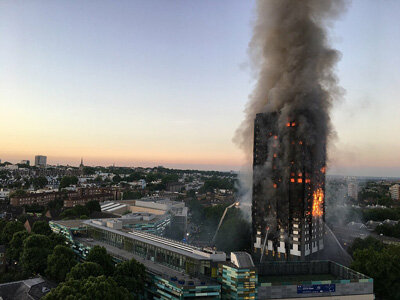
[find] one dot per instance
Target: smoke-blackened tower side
(288, 190)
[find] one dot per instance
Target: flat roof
(70, 223)
(296, 278)
(171, 245)
(155, 268)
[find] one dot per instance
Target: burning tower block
(288, 210)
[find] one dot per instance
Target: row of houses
(79, 196)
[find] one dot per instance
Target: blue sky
(165, 82)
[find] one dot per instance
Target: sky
(144, 83)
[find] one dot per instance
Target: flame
(318, 200)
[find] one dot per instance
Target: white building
(394, 191)
(352, 189)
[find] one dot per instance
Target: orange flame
(318, 200)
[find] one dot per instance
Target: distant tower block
(40, 161)
(288, 208)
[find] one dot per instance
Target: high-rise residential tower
(40, 161)
(288, 190)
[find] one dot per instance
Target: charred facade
(288, 208)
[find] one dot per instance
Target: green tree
(3, 224)
(41, 227)
(217, 183)
(34, 256)
(9, 229)
(16, 245)
(67, 181)
(91, 288)
(129, 195)
(93, 205)
(100, 256)
(18, 193)
(389, 230)
(81, 210)
(369, 242)
(56, 239)
(76, 211)
(234, 234)
(116, 178)
(89, 171)
(85, 270)
(131, 275)
(39, 182)
(383, 266)
(60, 262)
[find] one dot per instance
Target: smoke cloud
(294, 69)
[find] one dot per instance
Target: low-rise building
(33, 288)
(238, 278)
(180, 271)
(35, 198)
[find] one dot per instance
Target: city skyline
(143, 84)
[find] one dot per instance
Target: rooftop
(34, 288)
(304, 272)
(242, 260)
(70, 223)
(168, 244)
(154, 268)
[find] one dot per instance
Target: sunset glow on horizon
(147, 84)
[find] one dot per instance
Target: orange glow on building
(318, 200)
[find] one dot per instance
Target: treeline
(127, 171)
(27, 253)
(217, 183)
(380, 262)
(381, 214)
(46, 253)
(81, 211)
(389, 230)
(97, 278)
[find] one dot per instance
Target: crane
(222, 219)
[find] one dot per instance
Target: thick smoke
(293, 66)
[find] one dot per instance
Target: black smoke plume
(294, 69)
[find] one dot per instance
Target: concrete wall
(354, 297)
(290, 291)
